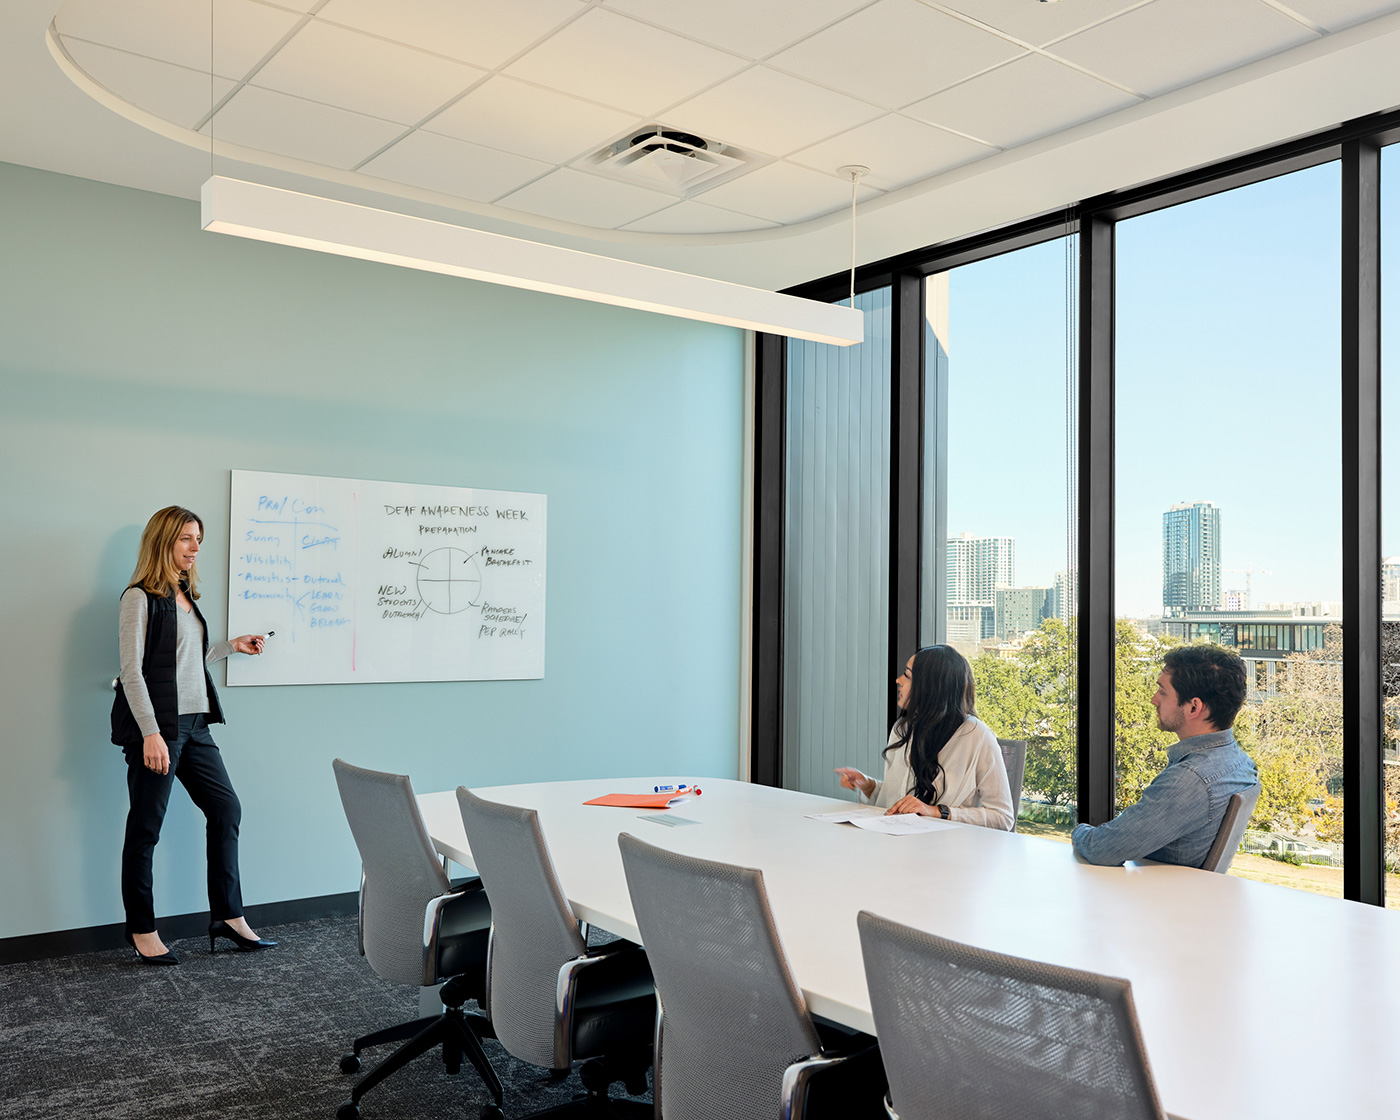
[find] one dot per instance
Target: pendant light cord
(857, 172)
(211, 89)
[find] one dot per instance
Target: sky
(1227, 388)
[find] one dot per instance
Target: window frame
(1356, 144)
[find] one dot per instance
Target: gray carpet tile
(253, 1035)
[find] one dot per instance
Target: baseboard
(91, 939)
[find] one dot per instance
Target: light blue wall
(141, 360)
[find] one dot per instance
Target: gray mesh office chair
(415, 928)
(1227, 841)
(551, 999)
(734, 1037)
(1013, 753)
(983, 1036)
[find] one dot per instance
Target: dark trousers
(196, 761)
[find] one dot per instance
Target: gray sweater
(189, 672)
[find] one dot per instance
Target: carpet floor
(256, 1036)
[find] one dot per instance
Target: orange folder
(642, 800)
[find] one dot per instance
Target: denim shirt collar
(1180, 749)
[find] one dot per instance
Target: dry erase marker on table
(680, 787)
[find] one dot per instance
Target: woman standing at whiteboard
(160, 718)
(941, 761)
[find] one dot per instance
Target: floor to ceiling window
(1202, 472)
(1390, 511)
(836, 682)
(999, 458)
(1228, 486)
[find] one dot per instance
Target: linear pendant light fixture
(311, 222)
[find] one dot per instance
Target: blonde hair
(155, 564)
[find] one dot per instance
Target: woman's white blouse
(973, 784)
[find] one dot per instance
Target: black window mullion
(770, 498)
(906, 461)
(1363, 822)
(1095, 683)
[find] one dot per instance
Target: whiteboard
(384, 581)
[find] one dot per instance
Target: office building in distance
(1190, 558)
(1020, 610)
(1066, 595)
(1390, 588)
(977, 566)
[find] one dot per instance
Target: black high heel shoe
(221, 928)
(166, 957)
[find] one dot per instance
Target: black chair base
(597, 1075)
(458, 1032)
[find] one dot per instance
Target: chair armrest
(566, 990)
(796, 1079)
(858, 1053)
(432, 926)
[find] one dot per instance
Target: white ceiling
(492, 114)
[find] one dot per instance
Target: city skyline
(1227, 387)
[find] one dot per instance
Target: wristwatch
(944, 812)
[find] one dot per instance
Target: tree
(1139, 748)
(1031, 697)
(1295, 738)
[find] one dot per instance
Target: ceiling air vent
(678, 162)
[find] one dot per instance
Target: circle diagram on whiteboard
(449, 580)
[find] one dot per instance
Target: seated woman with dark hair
(941, 761)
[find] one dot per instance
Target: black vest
(158, 671)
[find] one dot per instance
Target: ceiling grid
(508, 107)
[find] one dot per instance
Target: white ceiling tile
(346, 68)
(895, 52)
(290, 126)
(618, 61)
(587, 199)
(515, 116)
(770, 112)
(1336, 14)
(178, 30)
(1172, 43)
(750, 29)
(454, 167)
(173, 93)
(784, 193)
(1012, 104)
(1036, 24)
(696, 217)
(896, 149)
(484, 32)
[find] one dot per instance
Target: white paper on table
(901, 824)
(848, 816)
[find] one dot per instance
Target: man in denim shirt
(1199, 692)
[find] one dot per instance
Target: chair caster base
(348, 1111)
(493, 1112)
(350, 1063)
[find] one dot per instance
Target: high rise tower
(977, 566)
(1191, 558)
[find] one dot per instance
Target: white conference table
(1255, 1000)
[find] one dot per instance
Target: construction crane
(1249, 573)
